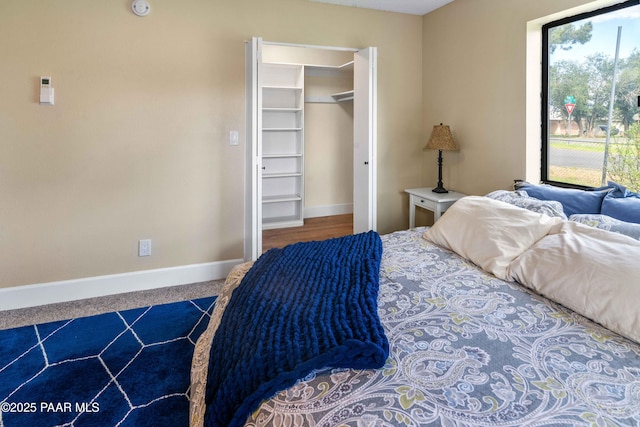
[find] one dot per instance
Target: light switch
(233, 137)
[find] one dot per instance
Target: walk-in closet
(310, 136)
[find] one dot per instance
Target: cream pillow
(593, 272)
(488, 232)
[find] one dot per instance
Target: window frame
(544, 155)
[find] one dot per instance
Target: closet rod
(311, 46)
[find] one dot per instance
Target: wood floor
(313, 229)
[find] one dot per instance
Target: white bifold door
(364, 142)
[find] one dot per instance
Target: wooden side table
(427, 199)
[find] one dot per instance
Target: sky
(604, 36)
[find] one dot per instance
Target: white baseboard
(90, 287)
(317, 211)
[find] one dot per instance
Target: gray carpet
(92, 306)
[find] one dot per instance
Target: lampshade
(441, 139)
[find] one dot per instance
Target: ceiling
(413, 7)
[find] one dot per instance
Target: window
(591, 98)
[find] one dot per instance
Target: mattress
(466, 349)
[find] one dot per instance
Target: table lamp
(441, 139)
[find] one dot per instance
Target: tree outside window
(591, 98)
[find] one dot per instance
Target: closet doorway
(275, 152)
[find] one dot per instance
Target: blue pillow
(619, 190)
(622, 208)
(622, 204)
(573, 201)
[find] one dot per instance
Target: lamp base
(440, 189)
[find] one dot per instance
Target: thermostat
(46, 91)
(140, 7)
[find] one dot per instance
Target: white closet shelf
(343, 67)
(281, 198)
(281, 110)
(281, 129)
(282, 87)
(281, 175)
(281, 155)
(346, 66)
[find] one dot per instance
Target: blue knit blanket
(307, 306)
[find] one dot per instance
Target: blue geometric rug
(127, 368)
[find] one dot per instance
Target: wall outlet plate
(144, 247)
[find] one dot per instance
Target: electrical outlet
(144, 247)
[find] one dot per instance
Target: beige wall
(328, 143)
(136, 145)
(475, 80)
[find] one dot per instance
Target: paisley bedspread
(468, 349)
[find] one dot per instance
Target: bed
(472, 340)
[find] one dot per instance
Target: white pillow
(591, 271)
(488, 232)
